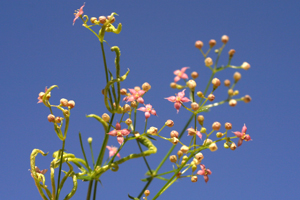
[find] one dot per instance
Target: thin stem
(95, 190)
(83, 152)
(60, 165)
(88, 196)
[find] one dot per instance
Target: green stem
(95, 190)
(88, 196)
(60, 165)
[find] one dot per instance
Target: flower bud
(194, 75)
(123, 91)
(41, 95)
(194, 167)
(179, 154)
(71, 104)
(207, 141)
(198, 44)
(152, 130)
(219, 134)
(230, 92)
(137, 134)
(105, 117)
(126, 108)
(203, 130)
(191, 84)
(133, 104)
(93, 20)
(194, 106)
(128, 121)
(178, 174)
(102, 19)
(169, 123)
(246, 98)
(216, 126)
(184, 149)
(237, 76)
(245, 66)
(90, 140)
(227, 83)
(224, 39)
(185, 158)
(216, 82)
(208, 61)
(200, 119)
(236, 92)
(174, 134)
(51, 118)
(211, 97)
(212, 43)
(233, 146)
(194, 178)
(199, 156)
(173, 158)
(58, 119)
(173, 85)
(137, 88)
(232, 102)
(146, 87)
(147, 193)
(228, 125)
(174, 140)
(200, 94)
(64, 102)
(113, 19)
(226, 146)
(231, 52)
(213, 147)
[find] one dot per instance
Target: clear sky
(40, 47)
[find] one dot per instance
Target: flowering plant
(189, 156)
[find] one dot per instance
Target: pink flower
(112, 151)
(180, 74)
(41, 95)
(204, 172)
(78, 13)
(119, 133)
(178, 100)
(148, 110)
(135, 95)
(192, 131)
(242, 135)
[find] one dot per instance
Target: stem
(95, 190)
(60, 165)
(88, 196)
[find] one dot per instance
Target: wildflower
(112, 151)
(180, 74)
(204, 172)
(148, 110)
(41, 95)
(119, 133)
(242, 135)
(192, 131)
(135, 95)
(78, 13)
(178, 100)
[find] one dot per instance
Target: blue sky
(40, 47)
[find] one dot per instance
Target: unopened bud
(212, 43)
(146, 87)
(216, 82)
(128, 121)
(226, 146)
(245, 66)
(174, 140)
(174, 134)
(194, 167)
(113, 19)
(51, 118)
(230, 92)
(198, 44)
(71, 104)
(231, 52)
(184, 149)
(194, 178)
(246, 98)
(199, 156)
(64, 102)
(213, 147)
(228, 125)
(90, 140)
(233, 146)
(126, 108)
(208, 61)
(137, 134)
(137, 88)
(169, 123)
(227, 83)
(203, 130)
(232, 102)
(173, 158)
(224, 39)
(200, 94)
(219, 134)
(123, 91)
(178, 174)
(133, 104)
(194, 75)
(216, 126)
(200, 119)
(147, 193)
(93, 20)
(58, 119)
(195, 106)
(207, 141)
(105, 117)
(102, 19)
(211, 97)
(191, 84)
(185, 158)
(179, 154)
(173, 85)
(152, 130)
(236, 92)
(237, 76)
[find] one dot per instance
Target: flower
(41, 95)
(135, 95)
(204, 172)
(78, 13)
(192, 131)
(148, 110)
(119, 133)
(178, 100)
(180, 74)
(112, 151)
(242, 135)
